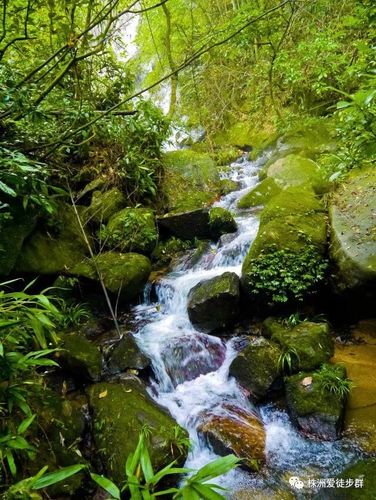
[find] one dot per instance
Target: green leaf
(207, 492)
(107, 485)
(57, 476)
(216, 468)
(11, 463)
(7, 190)
(25, 424)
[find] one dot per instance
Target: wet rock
(80, 357)
(131, 230)
(186, 358)
(228, 186)
(214, 303)
(256, 367)
(352, 215)
(186, 225)
(363, 472)
(310, 344)
(125, 355)
(54, 252)
(236, 430)
(124, 274)
(260, 195)
(221, 222)
(105, 204)
(316, 411)
(120, 411)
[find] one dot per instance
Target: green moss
(364, 470)
(126, 272)
(295, 170)
(80, 356)
(191, 180)
(105, 204)
(221, 221)
(166, 250)
(353, 237)
(260, 194)
(49, 253)
(228, 185)
(120, 411)
(131, 230)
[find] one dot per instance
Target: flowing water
(191, 368)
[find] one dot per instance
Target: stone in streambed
(105, 204)
(310, 344)
(126, 354)
(214, 303)
(186, 225)
(186, 358)
(260, 195)
(120, 411)
(221, 222)
(256, 367)
(238, 431)
(316, 411)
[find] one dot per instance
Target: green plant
(331, 378)
(282, 275)
(288, 359)
(72, 314)
(142, 482)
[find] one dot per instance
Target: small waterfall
(192, 368)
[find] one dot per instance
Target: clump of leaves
(72, 314)
(283, 275)
(288, 359)
(331, 378)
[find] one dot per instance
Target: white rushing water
(191, 368)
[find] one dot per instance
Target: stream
(191, 368)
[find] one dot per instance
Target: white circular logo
(296, 482)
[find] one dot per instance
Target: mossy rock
(310, 344)
(316, 411)
(13, 232)
(124, 273)
(80, 357)
(228, 186)
(214, 303)
(352, 215)
(191, 180)
(261, 194)
(120, 411)
(105, 204)
(221, 221)
(256, 366)
(126, 354)
(131, 230)
(45, 253)
(364, 473)
(295, 170)
(186, 225)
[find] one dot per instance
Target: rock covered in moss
(80, 357)
(120, 411)
(214, 303)
(131, 230)
(295, 170)
(316, 411)
(310, 344)
(126, 273)
(126, 354)
(186, 225)
(106, 204)
(362, 472)
(190, 181)
(57, 251)
(228, 185)
(256, 367)
(232, 429)
(260, 194)
(352, 214)
(221, 222)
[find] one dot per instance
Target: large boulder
(124, 273)
(309, 344)
(256, 367)
(261, 194)
(131, 230)
(316, 411)
(57, 251)
(214, 303)
(186, 225)
(190, 181)
(126, 354)
(295, 170)
(80, 357)
(232, 429)
(352, 215)
(221, 222)
(361, 480)
(120, 411)
(105, 204)
(286, 260)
